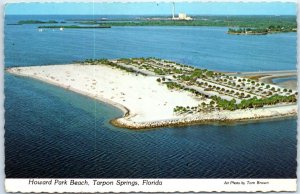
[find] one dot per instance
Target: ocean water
(51, 132)
(205, 47)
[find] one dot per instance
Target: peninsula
(155, 92)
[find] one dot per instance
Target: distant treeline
(225, 21)
(236, 24)
(37, 22)
(263, 31)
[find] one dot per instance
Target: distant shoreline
(236, 24)
(137, 96)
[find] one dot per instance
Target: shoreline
(183, 123)
(262, 73)
(122, 123)
(269, 78)
(129, 119)
(123, 109)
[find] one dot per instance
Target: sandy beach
(145, 102)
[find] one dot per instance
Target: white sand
(150, 103)
(146, 99)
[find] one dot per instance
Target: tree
(209, 73)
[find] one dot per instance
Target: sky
(194, 8)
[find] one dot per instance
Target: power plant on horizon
(181, 16)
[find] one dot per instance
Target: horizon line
(277, 15)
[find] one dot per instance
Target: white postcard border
(149, 185)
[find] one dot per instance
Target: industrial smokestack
(173, 10)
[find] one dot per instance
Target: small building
(182, 16)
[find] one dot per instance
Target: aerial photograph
(155, 90)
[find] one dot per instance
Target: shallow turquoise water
(52, 132)
(279, 80)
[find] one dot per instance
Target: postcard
(150, 97)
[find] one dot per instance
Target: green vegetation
(157, 66)
(173, 85)
(253, 102)
(237, 24)
(21, 22)
(88, 22)
(216, 90)
(218, 103)
(109, 63)
(263, 31)
(255, 31)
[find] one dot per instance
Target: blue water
(284, 79)
(207, 47)
(51, 132)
